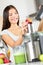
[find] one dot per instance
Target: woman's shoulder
(3, 32)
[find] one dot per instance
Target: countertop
(33, 63)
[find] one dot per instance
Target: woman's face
(13, 16)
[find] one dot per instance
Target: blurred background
(25, 8)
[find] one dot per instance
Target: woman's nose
(13, 14)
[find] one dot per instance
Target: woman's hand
(24, 27)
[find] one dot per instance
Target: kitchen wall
(25, 7)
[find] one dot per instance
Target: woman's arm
(9, 41)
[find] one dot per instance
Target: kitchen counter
(33, 63)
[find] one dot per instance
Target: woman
(12, 33)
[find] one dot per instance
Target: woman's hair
(6, 23)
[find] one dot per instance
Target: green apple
(1, 61)
(41, 57)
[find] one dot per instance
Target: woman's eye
(16, 13)
(10, 14)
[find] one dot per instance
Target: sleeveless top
(17, 49)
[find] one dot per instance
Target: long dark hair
(6, 23)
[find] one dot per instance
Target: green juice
(20, 58)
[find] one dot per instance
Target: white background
(25, 7)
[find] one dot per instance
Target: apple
(1, 61)
(6, 60)
(29, 20)
(41, 57)
(2, 55)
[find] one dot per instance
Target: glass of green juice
(19, 58)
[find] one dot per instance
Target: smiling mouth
(14, 19)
